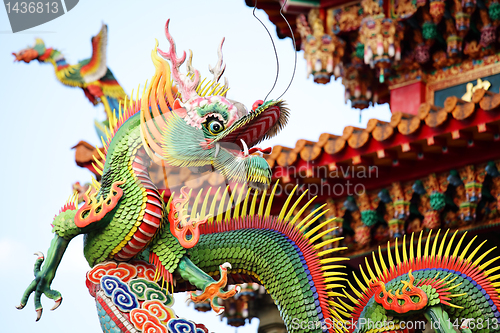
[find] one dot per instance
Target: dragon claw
(40, 286)
(56, 304)
(214, 290)
(39, 254)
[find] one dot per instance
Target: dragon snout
(257, 104)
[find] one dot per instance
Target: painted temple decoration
(335, 210)
(323, 52)
(394, 51)
(398, 209)
(436, 10)
(380, 37)
(434, 199)
(362, 230)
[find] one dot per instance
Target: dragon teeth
(217, 149)
(245, 147)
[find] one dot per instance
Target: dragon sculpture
(92, 75)
(140, 247)
(129, 230)
(444, 289)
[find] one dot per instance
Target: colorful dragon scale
(444, 284)
(127, 218)
(92, 74)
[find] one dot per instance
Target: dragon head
(31, 53)
(205, 129)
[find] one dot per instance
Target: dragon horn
(187, 86)
(220, 67)
(189, 64)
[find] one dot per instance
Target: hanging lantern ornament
(462, 23)
(358, 83)
(453, 40)
(488, 30)
(436, 9)
(321, 50)
(379, 34)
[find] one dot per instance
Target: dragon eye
(215, 127)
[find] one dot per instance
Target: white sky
(42, 119)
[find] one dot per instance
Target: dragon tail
(452, 276)
(284, 253)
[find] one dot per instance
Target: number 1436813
(32, 7)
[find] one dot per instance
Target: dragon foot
(41, 286)
(214, 290)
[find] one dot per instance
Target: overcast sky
(42, 120)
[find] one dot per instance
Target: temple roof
(445, 126)
(380, 48)
(291, 10)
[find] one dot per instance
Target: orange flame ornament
(97, 209)
(400, 302)
(180, 227)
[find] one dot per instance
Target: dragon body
(91, 75)
(444, 284)
(226, 233)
